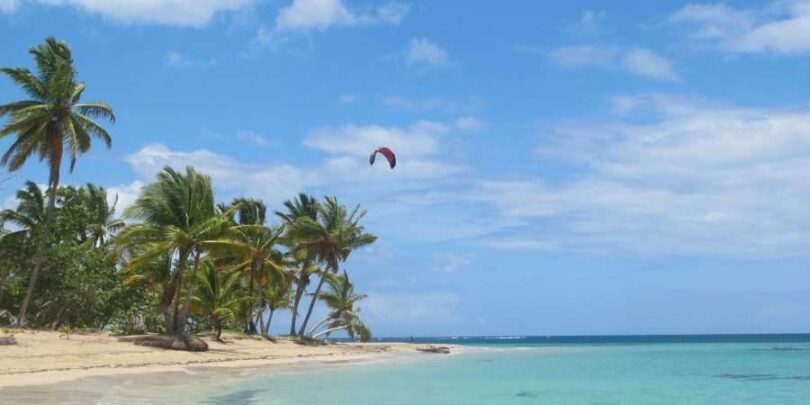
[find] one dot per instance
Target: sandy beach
(44, 357)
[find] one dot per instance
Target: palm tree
(217, 296)
(331, 239)
(52, 119)
(104, 222)
(253, 252)
(304, 206)
(342, 299)
(275, 296)
(178, 215)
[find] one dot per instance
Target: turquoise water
(723, 370)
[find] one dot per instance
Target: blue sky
(569, 168)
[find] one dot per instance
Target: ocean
(608, 370)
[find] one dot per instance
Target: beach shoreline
(45, 357)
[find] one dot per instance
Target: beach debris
(388, 153)
(185, 342)
(8, 340)
(434, 349)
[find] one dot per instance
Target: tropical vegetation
(175, 261)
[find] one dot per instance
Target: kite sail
(388, 153)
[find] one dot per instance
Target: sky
(565, 168)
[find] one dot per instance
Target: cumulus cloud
(424, 53)
(781, 27)
(346, 149)
(698, 178)
(305, 15)
(637, 61)
(193, 13)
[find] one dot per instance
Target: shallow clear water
(765, 371)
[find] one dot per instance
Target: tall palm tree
(343, 315)
(51, 120)
(331, 239)
(217, 296)
(178, 215)
(303, 206)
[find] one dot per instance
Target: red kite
(388, 153)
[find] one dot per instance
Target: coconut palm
(303, 206)
(51, 120)
(104, 222)
(218, 296)
(178, 215)
(252, 249)
(343, 315)
(331, 239)
(274, 297)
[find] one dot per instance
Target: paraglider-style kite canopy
(388, 153)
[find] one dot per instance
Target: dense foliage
(181, 263)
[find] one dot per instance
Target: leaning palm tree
(51, 120)
(331, 239)
(344, 314)
(178, 215)
(303, 206)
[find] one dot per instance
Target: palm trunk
(178, 284)
(260, 317)
(250, 326)
(312, 305)
(266, 327)
(42, 243)
(181, 326)
(329, 331)
(301, 287)
(166, 299)
(323, 321)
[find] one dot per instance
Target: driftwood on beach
(8, 341)
(185, 342)
(434, 349)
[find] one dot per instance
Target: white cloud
(254, 138)
(348, 98)
(422, 52)
(644, 62)
(406, 309)
(178, 60)
(346, 162)
(275, 182)
(694, 178)
(304, 15)
(124, 195)
(8, 6)
(589, 22)
(470, 124)
(781, 27)
(194, 13)
(451, 263)
(638, 61)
